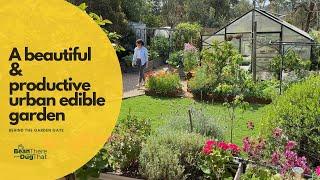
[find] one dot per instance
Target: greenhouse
(267, 33)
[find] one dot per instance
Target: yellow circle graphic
(61, 89)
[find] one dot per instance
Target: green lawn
(157, 109)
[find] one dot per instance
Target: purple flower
(277, 133)
(275, 158)
(290, 145)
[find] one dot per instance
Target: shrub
(124, 146)
(164, 84)
(94, 167)
(171, 155)
(291, 62)
(316, 50)
(221, 67)
(202, 123)
(175, 59)
(297, 112)
(153, 55)
(128, 60)
(160, 45)
(185, 33)
(190, 57)
(221, 75)
(259, 173)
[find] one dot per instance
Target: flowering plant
(191, 57)
(280, 152)
(163, 83)
(317, 171)
(254, 148)
(217, 158)
(190, 48)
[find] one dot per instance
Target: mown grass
(158, 110)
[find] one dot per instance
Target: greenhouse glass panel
(292, 36)
(208, 40)
(222, 31)
(265, 52)
(265, 24)
(304, 51)
(246, 47)
(244, 24)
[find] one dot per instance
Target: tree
(301, 13)
(240, 8)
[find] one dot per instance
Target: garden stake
(190, 119)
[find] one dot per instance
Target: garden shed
(252, 33)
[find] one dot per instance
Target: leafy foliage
(113, 36)
(121, 151)
(297, 112)
(160, 45)
(220, 74)
(186, 33)
(191, 57)
(175, 59)
(164, 84)
(216, 159)
(316, 49)
(94, 167)
(125, 144)
(171, 155)
(260, 173)
(291, 62)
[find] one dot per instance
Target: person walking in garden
(140, 59)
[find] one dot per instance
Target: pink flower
(250, 125)
(246, 144)
(189, 48)
(275, 158)
(290, 145)
(207, 148)
(277, 133)
(318, 171)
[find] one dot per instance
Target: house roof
(274, 18)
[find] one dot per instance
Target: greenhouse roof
(276, 19)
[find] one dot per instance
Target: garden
(205, 117)
(229, 121)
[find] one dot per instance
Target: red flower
(234, 148)
(222, 145)
(207, 148)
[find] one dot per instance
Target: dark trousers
(141, 73)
